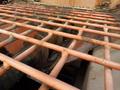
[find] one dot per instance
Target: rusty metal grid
(78, 21)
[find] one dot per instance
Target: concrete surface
(96, 73)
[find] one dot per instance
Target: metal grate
(100, 28)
